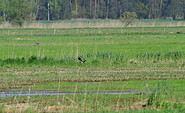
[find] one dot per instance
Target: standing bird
(81, 60)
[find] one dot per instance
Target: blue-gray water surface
(18, 92)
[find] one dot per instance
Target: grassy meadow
(130, 69)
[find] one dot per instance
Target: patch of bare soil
(62, 70)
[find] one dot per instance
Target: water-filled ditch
(18, 92)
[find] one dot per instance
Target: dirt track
(62, 70)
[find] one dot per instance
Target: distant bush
(93, 58)
(100, 57)
(179, 32)
(157, 56)
(171, 105)
(32, 59)
(158, 95)
(128, 18)
(14, 60)
(44, 60)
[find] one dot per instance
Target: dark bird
(81, 60)
(37, 44)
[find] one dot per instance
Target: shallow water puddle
(17, 92)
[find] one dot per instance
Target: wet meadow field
(130, 69)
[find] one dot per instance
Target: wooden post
(54, 31)
(164, 30)
(8, 32)
(76, 50)
(77, 31)
(31, 32)
(142, 29)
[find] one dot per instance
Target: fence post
(164, 29)
(54, 31)
(8, 32)
(142, 29)
(31, 32)
(76, 50)
(77, 31)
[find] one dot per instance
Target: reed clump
(100, 58)
(160, 56)
(92, 58)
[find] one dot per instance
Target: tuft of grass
(97, 58)
(171, 105)
(160, 56)
(14, 61)
(158, 95)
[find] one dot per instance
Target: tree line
(20, 10)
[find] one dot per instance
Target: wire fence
(84, 31)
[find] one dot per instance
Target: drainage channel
(17, 92)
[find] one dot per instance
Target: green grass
(118, 60)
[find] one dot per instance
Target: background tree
(112, 9)
(66, 9)
(55, 8)
(42, 10)
(128, 18)
(141, 10)
(102, 8)
(3, 10)
(173, 8)
(18, 11)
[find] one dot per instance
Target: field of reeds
(132, 69)
(96, 23)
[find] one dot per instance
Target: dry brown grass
(28, 107)
(81, 24)
(6, 25)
